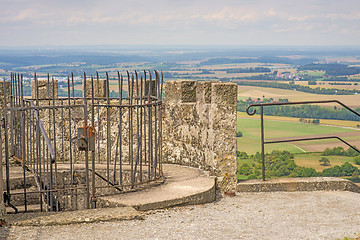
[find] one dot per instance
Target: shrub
(238, 134)
(324, 161)
(245, 169)
(252, 176)
(357, 160)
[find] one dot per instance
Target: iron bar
(86, 152)
(108, 129)
(93, 190)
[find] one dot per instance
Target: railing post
(2, 206)
(87, 204)
(262, 142)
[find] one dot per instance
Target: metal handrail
(263, 142)
(43, 132)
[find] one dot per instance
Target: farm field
(312, 160)
(326, 84)
(293, 96)
(332, 122)
(250, 141)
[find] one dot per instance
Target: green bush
(239, 134)
(252, 176)
(324, 161)
(347, 169)
(245, 169)
(357, 160)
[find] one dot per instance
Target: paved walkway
(276, 215)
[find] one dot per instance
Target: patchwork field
(294, 96)
(250, 141)
(341, 123)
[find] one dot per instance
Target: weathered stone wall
(199, 128)
(45, 88)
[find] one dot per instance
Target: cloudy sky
(193, 22)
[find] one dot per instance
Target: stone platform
(183, 186)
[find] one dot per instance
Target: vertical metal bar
(131, 147)
(108, 129)
(151, 174)
(74, 121)
(98, 114)
(23, 155)
(86, 152)
(12, 114)
(141, 118)
(93, 190)
(44, 183)
(70, 135)
(5, 118)
(155, 126)
(138, 141)
(54, 128)
(160, 124)
(52, 160)
(146, 160)
(262, 142)
(118, 139)
(38, 142)
(62, 130)
(120, 79)
(2, 206)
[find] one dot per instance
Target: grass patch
(250, 128)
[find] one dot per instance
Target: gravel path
(277, 215)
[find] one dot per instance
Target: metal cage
(66, 152)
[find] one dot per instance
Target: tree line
(291, 86)
(282, 164)
(301, 111)
(333, 69)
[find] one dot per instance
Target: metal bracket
(86, 138)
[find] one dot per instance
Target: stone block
(45, 89)
(99, 88)
(224, 93)
(188, 91)
(203, 92)
(172, 93)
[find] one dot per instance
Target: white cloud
(185, 21)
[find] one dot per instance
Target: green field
(312, 160)
(250, 128)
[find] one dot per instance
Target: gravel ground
(277, 215)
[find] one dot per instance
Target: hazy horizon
(255, 23)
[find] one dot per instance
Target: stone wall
(199, 128)
(45, 88)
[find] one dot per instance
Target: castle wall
(199, 128)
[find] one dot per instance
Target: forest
(282, 164)
(302, 111)
(291, 86)
(333, 69)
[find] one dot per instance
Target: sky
(179, 22)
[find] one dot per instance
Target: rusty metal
(263, 142)
(49, 151)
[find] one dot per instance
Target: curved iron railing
(92, 145)
(263, 142)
